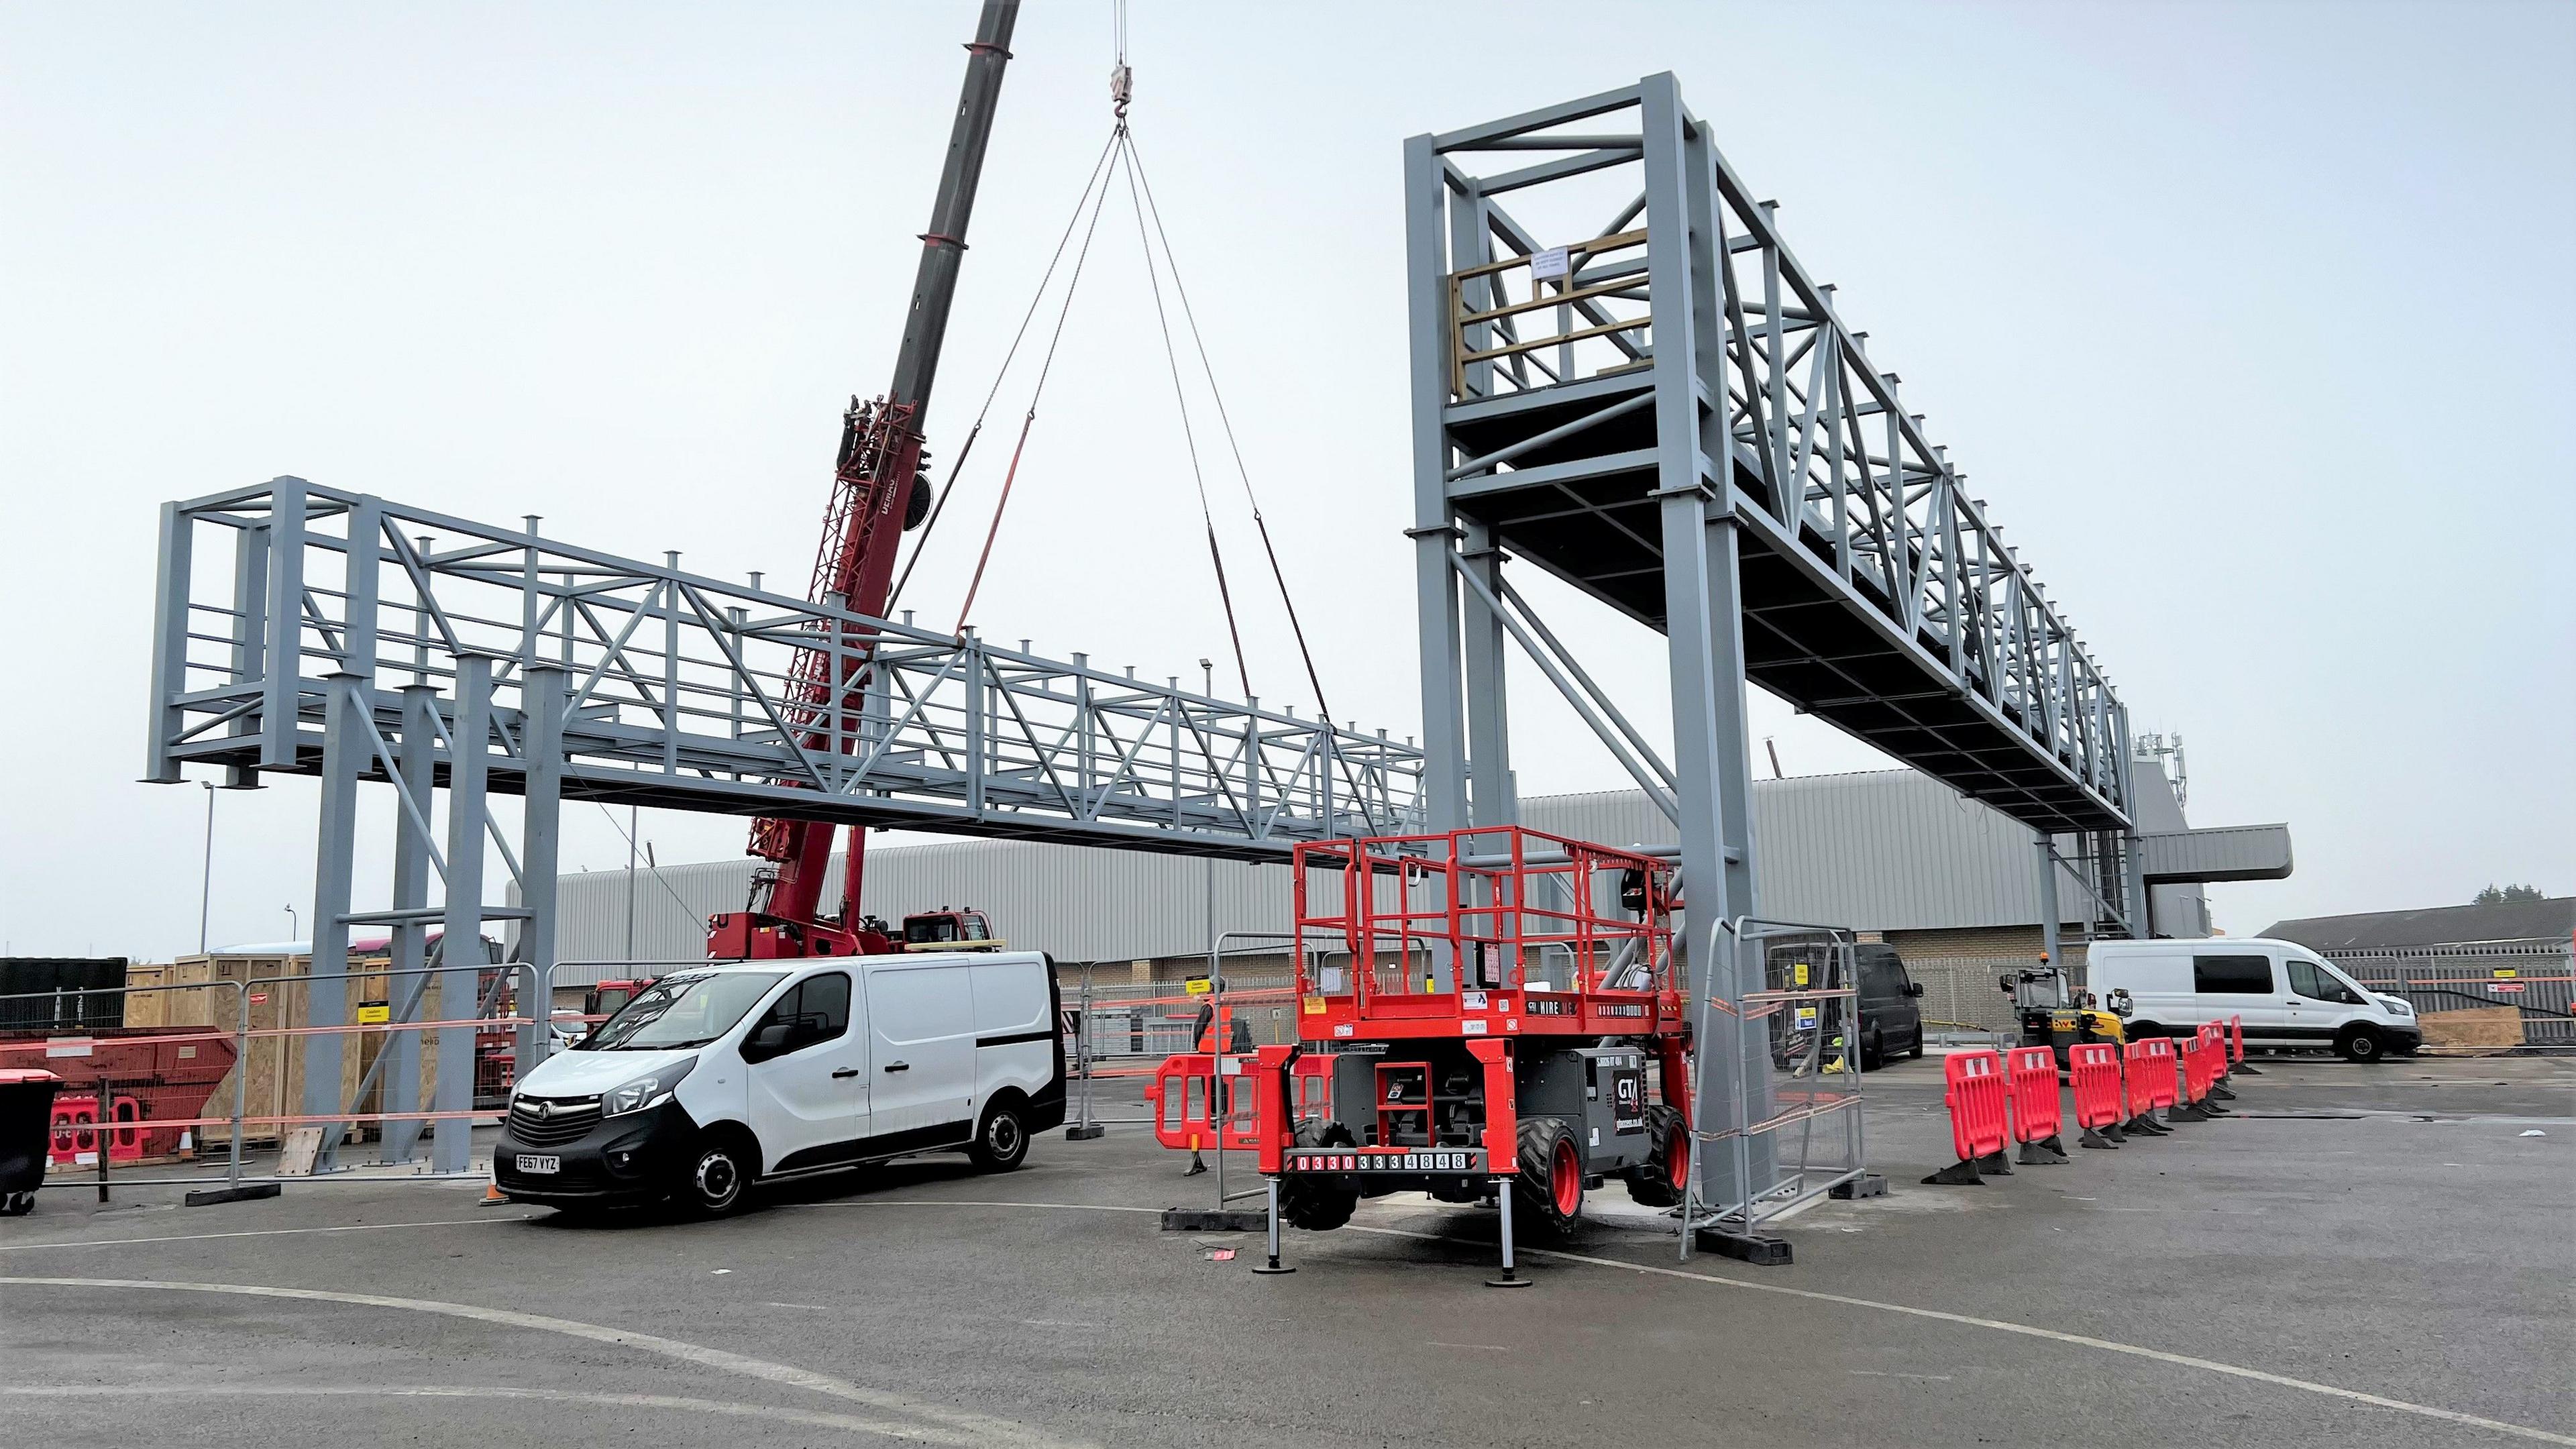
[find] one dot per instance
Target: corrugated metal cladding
(1885, 850)
(2226, 852)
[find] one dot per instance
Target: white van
(2287, 994)
(716, 1078)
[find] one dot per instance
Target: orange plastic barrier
(2036, 1119)
(2236, 1041)
(1974, 1088)
(2095, 1066)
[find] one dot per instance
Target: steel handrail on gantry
(679, 689)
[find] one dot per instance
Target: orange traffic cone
(492, 1194)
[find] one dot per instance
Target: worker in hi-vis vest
(1202, 1038)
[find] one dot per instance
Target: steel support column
(2049, 914)
(1436, 609)
(460, 948)
(1704, 639)
(1492, 800)
(345, 750)
(541, 747)
(408, 985)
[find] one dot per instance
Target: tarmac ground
(2360, 1256)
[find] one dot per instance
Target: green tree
(2506, 895)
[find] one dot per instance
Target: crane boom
(877, 493)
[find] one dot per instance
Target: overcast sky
(2252, 324)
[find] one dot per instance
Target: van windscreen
(681, 1011)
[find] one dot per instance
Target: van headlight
(2398, 1004)
(646, 1091)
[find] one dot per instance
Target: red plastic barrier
(125, 1137)
(2035, 1116)
(2095, 1066)
(75, 1123)
(1974, 1090)
(2151, 1077)
(2195, 1067)
(2235, 1041)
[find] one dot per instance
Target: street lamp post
(292, 928)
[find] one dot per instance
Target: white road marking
(2078, 1340)
(812, 1418)
(1884, 1374)
(971, 1427)
(261, 1233)
(643, 1340)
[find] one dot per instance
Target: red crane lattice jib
(1491, 931)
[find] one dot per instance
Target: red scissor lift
(1483, 1014)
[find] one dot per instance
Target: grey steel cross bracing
(676, 692)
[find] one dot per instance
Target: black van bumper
(632, 1158)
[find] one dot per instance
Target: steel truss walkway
(1622, 376)
(308, 630)
(676, 691)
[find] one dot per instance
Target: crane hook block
(1122, 87)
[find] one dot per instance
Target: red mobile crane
(877, 494)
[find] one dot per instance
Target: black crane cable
(1181, 403)
(1278, 575)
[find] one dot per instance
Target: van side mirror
(767, 1042)
(1914, 988)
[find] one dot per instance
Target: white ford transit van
(2287, 994)
(715, 1078)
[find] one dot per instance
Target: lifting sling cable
(1136, 168)
(958, 468)
(1073, 283)
(1323, 708)
(1181, 402)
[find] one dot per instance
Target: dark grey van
(1891, 1010)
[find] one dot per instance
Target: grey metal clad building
(1891, 852)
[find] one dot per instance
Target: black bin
(26, 1120)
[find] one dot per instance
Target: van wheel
(1002, 1138)
(1915, 1052)
(1873, 1053)
(719, 1172)
(2361, 1045)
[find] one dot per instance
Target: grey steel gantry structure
(1626, 379)
(309, 630)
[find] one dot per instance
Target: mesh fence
(1963, 991)
(2533, 976)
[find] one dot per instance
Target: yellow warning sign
(1198, 986)
(1314, 1006)
(2505, 973)
(1801, 970)
(374, 1015)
